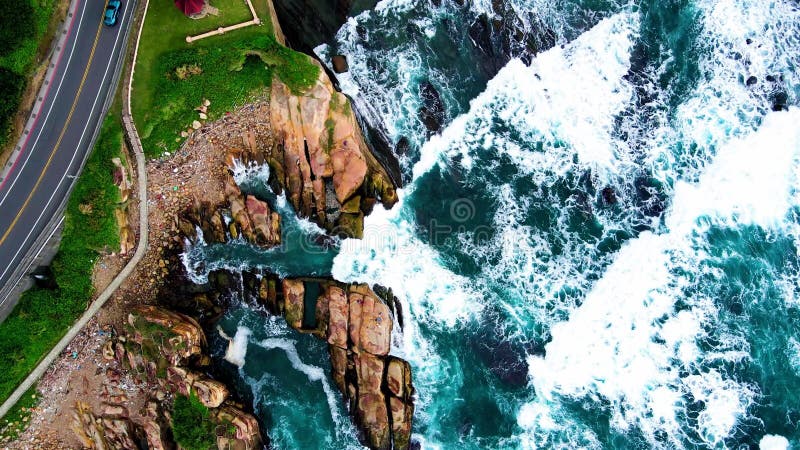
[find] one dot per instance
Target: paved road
(52, 153)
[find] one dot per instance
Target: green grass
(23, 48)
(174, 77)
(16, 421)
(192, 426)
(42, 315)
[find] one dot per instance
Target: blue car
(112, 11)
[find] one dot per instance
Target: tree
(16, 24)
(192, 427)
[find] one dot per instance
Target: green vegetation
(174, 77)
(330, 126)
(192, 426)
(23, 39)
(16, 421)
(43, 315)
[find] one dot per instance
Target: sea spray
(610, 229)
(628, 345)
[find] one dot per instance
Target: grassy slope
(233, 67)
(42, 315)
(22, 61)
(17, 419)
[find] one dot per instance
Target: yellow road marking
(60, 137)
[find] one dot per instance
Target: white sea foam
(738, 39)
(313, 373)
(623, 343)
(773, 442)
(249, 173)
(626, 345)
(566, 100)
(793, 354)
(237, 346)
(390, 254)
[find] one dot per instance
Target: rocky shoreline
(318, 157)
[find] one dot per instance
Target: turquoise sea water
(600, 249)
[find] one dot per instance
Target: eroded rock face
(319, 157)
(252, 218)
(166, 348)
(175, 337)
(357, 325)
(507, 34)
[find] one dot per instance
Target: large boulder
(293, 292)
(376, 326)
(175, 337)
(338, 321)
(322, 142)
(267, 224)
(374, 419)
(88, 428)
(245, 435)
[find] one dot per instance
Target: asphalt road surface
(55, 149)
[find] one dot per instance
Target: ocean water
(598, 250)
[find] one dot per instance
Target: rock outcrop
(251, 218)
(357, 324)
(165, 349)
(320, 158)
(127, 236)
(506, 34)
(111, 430)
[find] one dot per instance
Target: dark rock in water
(506, 359)
(609, 195)
(751, 80)
(508, 365)
(481, 35)
(432, 113)
(309, 23)
(465, 428)
(402, 146)
(377, 139)
(650, 196)
(507, 36)
(340, 64)
(779, 101)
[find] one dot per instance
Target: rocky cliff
(318, 158)
(316, 154)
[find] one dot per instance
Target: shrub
(11, 86)
(192, 427)
(17, 23)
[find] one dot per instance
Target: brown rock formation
(175, 337)
(246, 433)
(166, 348)
(252, 218)
(357, 325)
(320, 157)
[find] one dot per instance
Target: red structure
(190, 7)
